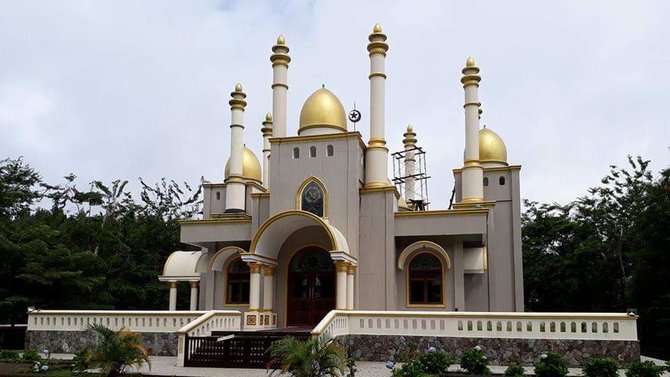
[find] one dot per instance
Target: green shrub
(551, 365)
(9, 355)
(308, 358)
(644, 369)
(434, 361)
(600, 367)
(514, 371)
(474, 362)
(31, 355)
(80, 361)
(410, 369)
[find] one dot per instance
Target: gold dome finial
(281, 40)
(377, 28)
(470, 62)
(410, 128)
(268, 117)
(238, 87)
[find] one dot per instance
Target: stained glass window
(237, 291)
(425, 280)
(312, 199)
(312, 259)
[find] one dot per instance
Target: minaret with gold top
(409, 142)
(267, 134)
(472, 173)
(376, 154)
(280, 60)
(235, 186)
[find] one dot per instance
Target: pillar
(409, 143)
(267, 134)
(280, 60)
(173, 296)
(376, 155)
(194, 295)
(235, 187)
(254, 287)
(472, 173)
(350, 287)
(341, 294)
(268, 288)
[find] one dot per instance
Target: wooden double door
(311, 287)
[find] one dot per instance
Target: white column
(410, 169)
(472, 172)
(350, 287)
(341, 294)
(254, 287)
(267, 134)
(194, 295)
(235, 187)
(173, 296)
(280, 60)
(268, 288)
(376, 155)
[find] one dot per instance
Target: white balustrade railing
(213, 320)
(138, 321)
(579, 326)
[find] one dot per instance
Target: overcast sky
(123, 89)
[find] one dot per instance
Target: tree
(117, 350)
(308, 358)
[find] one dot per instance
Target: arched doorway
(311, 287)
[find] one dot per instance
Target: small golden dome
(238, 87)
(491, 147)
(410, 128)
(323, 110)
(377, 28)
(268, 117)
(251, 167)
(470, 62)
(281, 40)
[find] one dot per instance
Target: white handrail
(213, 320)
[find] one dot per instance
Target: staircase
(236, 349)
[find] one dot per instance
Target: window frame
(240, 278)
(409, 278)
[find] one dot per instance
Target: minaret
(235, 186)
(267, 134)
(280, 60)
(472, 173)
(410, 143)
(376, 155)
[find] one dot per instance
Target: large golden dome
(251, 167)
(491, 147)
(322, 110)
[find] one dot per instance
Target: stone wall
(499, 351)
(158, 344)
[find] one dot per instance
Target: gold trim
(352, 269)
(472, 200)
(172, 284)
(378, 186)
(260, 195)
(228, 260)
(280, 84)
(194, 283)
(309, 138)
(484, 204)
(443, 301)
(271, 220)
(449, 212)
(341, 266)
(377, 74)
(222, 220)
(268, 271)
(424, 246)
(255, 268)
(298, 195)
(318, 125)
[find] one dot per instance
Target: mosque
(316, 224)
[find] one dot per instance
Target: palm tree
(117, 350)
(309, 358)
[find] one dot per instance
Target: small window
(218, 195)
(296, 152)
(312, 151)
(330, 150)
(312, 199)
(425, 280)
(501, 180)
(486, 181)
(237, 291)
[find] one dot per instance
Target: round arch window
(237, 282)
(425, 280)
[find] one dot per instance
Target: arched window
(501, 180)
(311, 199)
(218, 195)
(312, 151)
(425, 280)
(486, 181)
(237, 280)
(330, 151)
(296, 152)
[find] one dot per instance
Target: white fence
(578, 326)
(213, 320)
(137, 321)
